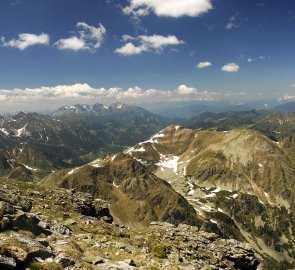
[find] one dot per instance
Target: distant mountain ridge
(285, 107)
(76, 134)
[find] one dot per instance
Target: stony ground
(64, 229)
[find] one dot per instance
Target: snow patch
(114, 184)
(210, 195)
(206, 208)
(216, 190)
(170, 163)
(191, 191)
(96, 163)
(4, 131)
(132, 149)
(73, 171)
(141, 149)
(20, 131)
(213, 221)
(30, 168)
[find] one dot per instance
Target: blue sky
(62, 51)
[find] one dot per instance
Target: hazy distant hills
(190, 109)
(285, 107)
(273, 124)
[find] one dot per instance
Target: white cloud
(87, 37)
(130, 49)
(250, 60)
(204, 65)
(184, 90)
(287, 98)
(231, 67)
(147, 43)
(232, 23)
(26, 40)
(72, 43)
(292, 85)
(48, 98)
(168, 8)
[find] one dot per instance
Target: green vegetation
(274, 265)
(35, 265)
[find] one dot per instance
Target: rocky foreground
(64, 229)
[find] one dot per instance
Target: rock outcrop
(66, 229)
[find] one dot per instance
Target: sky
(61, 52)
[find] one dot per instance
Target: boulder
(64, 260)
(23, 248)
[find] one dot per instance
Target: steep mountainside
(240, 180)
(135, 196)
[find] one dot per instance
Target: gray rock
(6, 208)
(98, 260)
(4, 223)
(64, 260)
(7, 263)
(24, 249)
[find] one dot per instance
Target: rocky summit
(53, 228)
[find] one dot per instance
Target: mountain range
(229, 173)
(73, 135)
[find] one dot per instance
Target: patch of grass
(158, 249)
(35, 265)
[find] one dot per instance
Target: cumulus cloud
(26, 40)
(86, 37)
(184, 90)
(48, 98)
(168, 8)
(145, 43)
(72, 43)
(231, 67)
(204, 65)
(287, 98)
